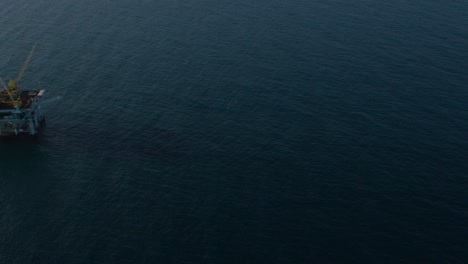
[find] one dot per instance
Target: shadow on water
(75, 184)
(24, 179)
(21, 158)
(24, 170)
(115, 143)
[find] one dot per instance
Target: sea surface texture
(239, 131)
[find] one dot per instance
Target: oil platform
(20, 109)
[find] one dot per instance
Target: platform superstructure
(20, 109)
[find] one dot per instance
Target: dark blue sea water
(247, 131)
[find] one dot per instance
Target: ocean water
(319, 131)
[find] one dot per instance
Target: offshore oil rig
(20, 110)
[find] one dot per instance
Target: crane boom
(25, 65)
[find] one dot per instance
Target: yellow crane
(13, 85)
